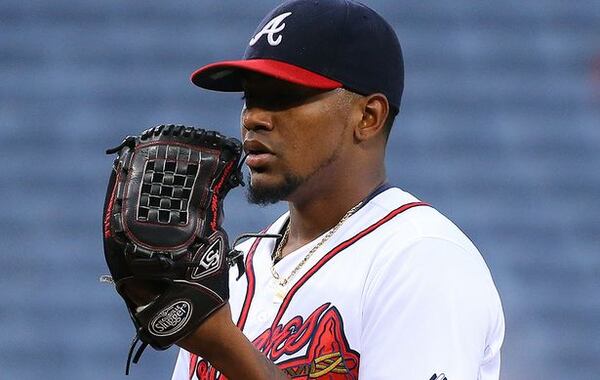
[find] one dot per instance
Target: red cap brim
(226, 75)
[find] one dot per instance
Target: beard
(266, 195)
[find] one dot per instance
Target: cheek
(311, 144)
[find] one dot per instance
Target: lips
(258, 154)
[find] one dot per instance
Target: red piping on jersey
(193, 363)
(251, 285)
(335, 251)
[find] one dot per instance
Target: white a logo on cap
(276, 25)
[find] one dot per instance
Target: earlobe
(375, 110)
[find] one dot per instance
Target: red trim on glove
(214, 202)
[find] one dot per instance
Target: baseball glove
(167, 254)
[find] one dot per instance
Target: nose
(256, 118)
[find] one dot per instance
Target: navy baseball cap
(322, 44)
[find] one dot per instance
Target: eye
(273, 101)
(277, 98)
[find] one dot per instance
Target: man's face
(295, 137)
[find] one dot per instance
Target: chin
(264, 190)
(263, 181)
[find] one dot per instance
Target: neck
(311, 217)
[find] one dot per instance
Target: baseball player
(366, 281)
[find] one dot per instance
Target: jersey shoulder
(417, 223)
(422, 237)
(422, 249)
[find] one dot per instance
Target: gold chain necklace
(284, 239)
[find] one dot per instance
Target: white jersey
(398, 292)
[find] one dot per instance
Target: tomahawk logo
(276, 25)
(314, 348)
(210, 261)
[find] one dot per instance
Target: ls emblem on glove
(171, 319)
(210, 261)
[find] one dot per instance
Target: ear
(375, 110)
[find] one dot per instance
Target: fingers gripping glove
(166, 251)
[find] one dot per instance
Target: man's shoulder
(393, 218)
(423, 241)
(412, 220)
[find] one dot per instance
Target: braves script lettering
(327, 355)
(276, 25)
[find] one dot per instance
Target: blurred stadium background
(500, 130)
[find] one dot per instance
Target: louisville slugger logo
(273, 27)
(171, 319)
(210, 260)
